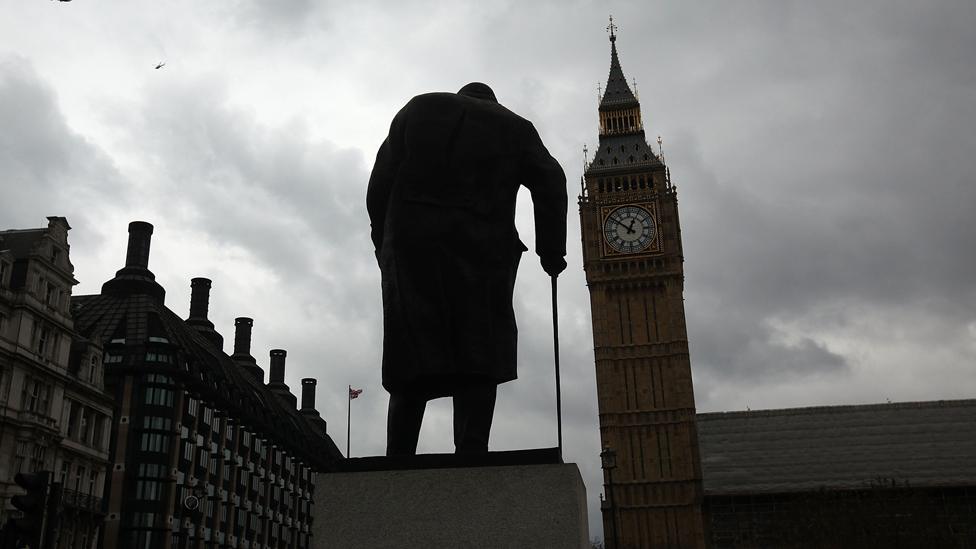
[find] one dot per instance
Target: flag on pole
(353, 393)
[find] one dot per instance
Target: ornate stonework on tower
(633, 261)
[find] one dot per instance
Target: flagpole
(348, 417)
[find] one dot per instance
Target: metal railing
(81, 501)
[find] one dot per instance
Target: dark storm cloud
(823, 154)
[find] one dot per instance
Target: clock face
(629, 229)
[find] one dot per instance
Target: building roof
(20, 242)
(925, 444)
(130, 312)
(625, 152)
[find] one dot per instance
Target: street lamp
(608, 457)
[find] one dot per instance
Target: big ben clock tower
(633, 261)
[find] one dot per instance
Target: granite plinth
(397, 505)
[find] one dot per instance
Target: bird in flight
(161, 64)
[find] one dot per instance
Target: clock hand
(630, 228)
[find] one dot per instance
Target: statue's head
(479, 91)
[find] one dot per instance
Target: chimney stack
(242, 335)
(137, 253)
(276, 380)
(242, 347)
(199, 307)
(308, 410)
(200, 297)
(277, 366)
(136, 278)
(308, 395)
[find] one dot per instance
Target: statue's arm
(544, 178)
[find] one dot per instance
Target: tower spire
(618, 92)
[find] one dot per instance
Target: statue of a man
(441, 203)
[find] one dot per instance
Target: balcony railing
(84, 502)
(38, 418)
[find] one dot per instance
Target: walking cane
(555, 347)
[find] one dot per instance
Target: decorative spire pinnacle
(618, 92)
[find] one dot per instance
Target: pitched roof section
(839, 447)
(618, 93)
(623, 153)
(129, 318)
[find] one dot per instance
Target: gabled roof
(925, 444)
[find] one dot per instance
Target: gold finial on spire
(613, 30)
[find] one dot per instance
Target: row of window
(259, 447)
(44, 340)
(158, 396)
(85, 424)
(625, 183)
(28, 456)
(35, 396)
(50, 293)
(84, 480)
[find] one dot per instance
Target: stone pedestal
(491, 506)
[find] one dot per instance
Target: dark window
(158, 396)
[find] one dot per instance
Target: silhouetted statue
(441, 202)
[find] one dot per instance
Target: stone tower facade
(633, 260)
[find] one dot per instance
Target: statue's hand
(553, 265)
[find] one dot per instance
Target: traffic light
(29, 528)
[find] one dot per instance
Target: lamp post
(608, 457)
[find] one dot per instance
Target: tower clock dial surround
(630, 229)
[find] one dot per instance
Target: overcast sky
(823, 154)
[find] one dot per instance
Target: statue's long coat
(441, 202)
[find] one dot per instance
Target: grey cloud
(46, 168)
(822, 153)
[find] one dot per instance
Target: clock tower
(633, 261)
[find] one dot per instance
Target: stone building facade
(54, 412)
